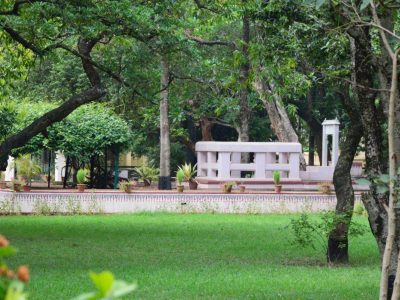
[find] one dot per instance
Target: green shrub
(359, 209)
(277, 177)
(314, 233)
(81, 176)
(180, 176)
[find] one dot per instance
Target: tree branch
(199, 40)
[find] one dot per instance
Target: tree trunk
(244, 115)
(96, 92)
(338, 238)
(278, 116)
(165, 146)
(206, 126)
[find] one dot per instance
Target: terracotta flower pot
(27, 188)
(3, 185)
(81, 187)
(17, 187)
(180, 188)
(326, 190)
(193, 184)
(242, 188)
(227, 189)
(278, 188)
(128, 189)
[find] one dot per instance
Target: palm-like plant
(147, 174)
(188, 170)
(26, 168)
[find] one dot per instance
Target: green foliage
(188, 171)
(107, 287)
(180, 176)
(147, 173)
(126, 185)
(381, 182)
(81, 176)
(277, 177)
(312, 232)
(26, 168)
(359, 209)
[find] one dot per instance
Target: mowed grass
(186, 256)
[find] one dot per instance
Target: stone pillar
(260, 161)
(294, 162)
(211, 159)
(10, 171)
(236, 158)
(283, 160)
(201, 161)
(330, 127)
(224, 165)
(59, 166)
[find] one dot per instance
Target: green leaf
(363, 181)
(382, 189)
(121, 288)
(7, 251)
(364, 4)
(103, 281)
(15, 291)
(385, 178)
(319, 3)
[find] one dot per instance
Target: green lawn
(185, 256)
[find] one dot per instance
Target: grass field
(186, 256)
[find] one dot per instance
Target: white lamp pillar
(10, 171)
(59, 166)
(330, 127)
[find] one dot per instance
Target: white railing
(222, 160)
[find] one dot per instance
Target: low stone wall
(90, 203)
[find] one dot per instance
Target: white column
(294, 162)
(211, 158)
(224, 165)
(324, 147)
(236, 158)
(201, 160)
(260, 160)
(9, 173)
(283, 159)
(270, 159)
(335, 146)
(59, 166)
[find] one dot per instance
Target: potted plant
(26, 170)
(242, 187)
(147, 174)
(325, 187)
(3, 183)
(127, 186)
(277, 181)
(227, 187)
(189, 172)
(16, 185)
(180, 176)
(81, 179)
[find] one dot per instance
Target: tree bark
(338, 238)
(278, 116)
(165, 146)
(96, 92)
(244, 115)
(206, 126)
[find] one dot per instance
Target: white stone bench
(222, 160)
